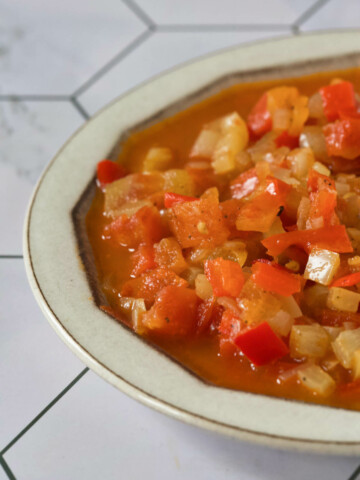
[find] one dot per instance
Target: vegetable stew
(229, 236)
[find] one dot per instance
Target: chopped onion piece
(291, 306)
(313, 137)
(205, 143)
(191, 274)
(316, 109)
(333, 332)
(343, 300)
(230, 304)
(301, 160)
(346, 345)
(315, 379)
(342, 188)
(320, 168)
(281, 323)
(356, 365)
(203, 287)
(178, 181)
(321, 266)
(316, 296)
(308, 341)
(158, 159)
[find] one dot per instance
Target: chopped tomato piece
(208, 313)
(244, 184)
(347, 280)
(334, 318)
(108, 172)
(199, 223)
(171, 199)
(337, 97)
(230, 210)
(259, 212)
(259, 120)
(334, 238)
(274, 279)
(323, 200)
(229, 328)
(168, 253)
(143, 259)
(226, 277)
(261, 345)
(145, 226)
(286, 140)
(173, 313)
(343, 138)
(150, 283)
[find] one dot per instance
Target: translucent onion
(343, 300)
(308, 341)
(158, 158)
(321, 266)
(316, 380)
(345, 345)
(281, 323)
(312, 137)
(203, 287)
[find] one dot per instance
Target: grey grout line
(11, 256)
(310, 12)
(80, 108)
(45, 410)
(34, 98)
(6, 468)
(221, 28)
(140, 13)
(120, 56)
(355, 474)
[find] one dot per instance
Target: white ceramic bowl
(61, 286)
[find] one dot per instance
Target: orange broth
(201, 355)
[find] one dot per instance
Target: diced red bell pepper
(286, 140)
(259, 119)
(317, 181)
(347, 280)
(244, 184)
(337, 97)
(108, 172)
(275, 280)
(343, 138)
(334, 238)
(261, 345)
(143, 259)
(226, 277)
(171, 199)
(148, 285)
(259, 212)
(173, 313)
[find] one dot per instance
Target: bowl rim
(264, 438)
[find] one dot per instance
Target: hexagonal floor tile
(34, 364)
(160, 52)
(49, 47)
(335, 14)
(126, 440)
(30, 135)
(200, 12)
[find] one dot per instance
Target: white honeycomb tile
(160, 52)
(97, 432)
(335, 14)
(34, 363)
(53, 47)
(200, 12)
(30, 135)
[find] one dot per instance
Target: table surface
(61, 61)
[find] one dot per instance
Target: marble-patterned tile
(243, 12)
(35, 365)
(335, 14)
(161, 52)
(124, 439)
(54, 47)
(30, 135)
